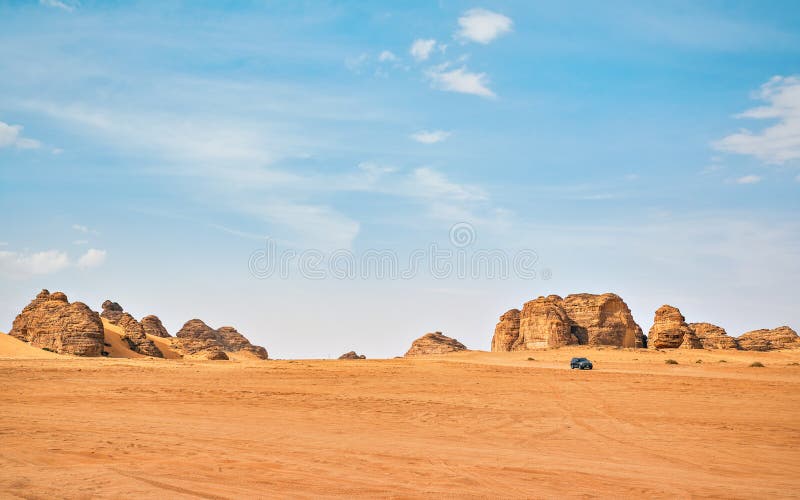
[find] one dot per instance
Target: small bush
(531, 359)
(47, 349)
(721, 361)
(756, 364)
(670, 362)
(793, 363)
(699, 361)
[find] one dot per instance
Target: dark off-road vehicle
(581, 364)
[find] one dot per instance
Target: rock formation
(112, 312)
(507, 331)
(766, 340)
(434, 343)
(544, 323)
(713, 336)
(670, 331)
(152, 326)
(352, 355)
(583, 318)
(133, 334)
(51, 322)
(197, 338)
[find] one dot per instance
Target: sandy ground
(468, 425)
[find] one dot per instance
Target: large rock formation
(434, 343)
(766, 340)
(713, 336)
(507, 331)
(603, 320)
(544, 323)
(583, 318)
(197, 338)
(352, 355)
(51, 322)
(133, 334)
(670, 331)
(112, 312)
(152, 326)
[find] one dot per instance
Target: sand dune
(13, 348)
(470, 424)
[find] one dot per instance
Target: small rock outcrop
(352, 355)
(434, 343)
(112, 312)
(51, 322)
(670, 331)
(152, 326)
(767, 340)
(583, 318)
(133, 334)
(507, 331)
(197, 338)
(713, 336)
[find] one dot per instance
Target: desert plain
(466, 424)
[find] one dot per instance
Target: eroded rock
(434, 343)
(670, 331)
(782, 337)
(713, 336)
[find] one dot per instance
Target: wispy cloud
(774, 144)
(482, 26)
(748, 179)
(69, 7)
(11, 135)
(430, 136)
(421, 48)
(460, 80)
(92, 258)
(21, 264)
(387, 56)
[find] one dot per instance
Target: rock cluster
(112, 312)
(713, 336)
(434, 343)
(152, 326)
(134, 335)
(584, 319)
(352, 355)
(51, 322)
(766, 340)
(670, 331)
(199, 339)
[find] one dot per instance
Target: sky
(246, 163)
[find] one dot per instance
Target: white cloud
(81, 228)
(11, 135)
(21, 264)
(774, 144)
(748, 179)
(57, 4)
(92, 258)
(460, 80)
(421, 48)
(432, 184)
(430, 137)
(483, 26)
(355, 64)
(387, 56)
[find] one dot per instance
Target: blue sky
(148, 149)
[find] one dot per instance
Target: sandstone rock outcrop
(51, 322)
(670, 331)
(507, 331)
(551, 321)
(133, 334)
(152, 326)
(544, 323)
(766, 340)
(197, 338)
(434, 343)
(713, 336)
(112, 311)
(352, 355)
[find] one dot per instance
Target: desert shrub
(531, 359)
(793, 363)
(756, 364)
(699, 361)
(721, 361)
(670, 362)
(47, 349)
